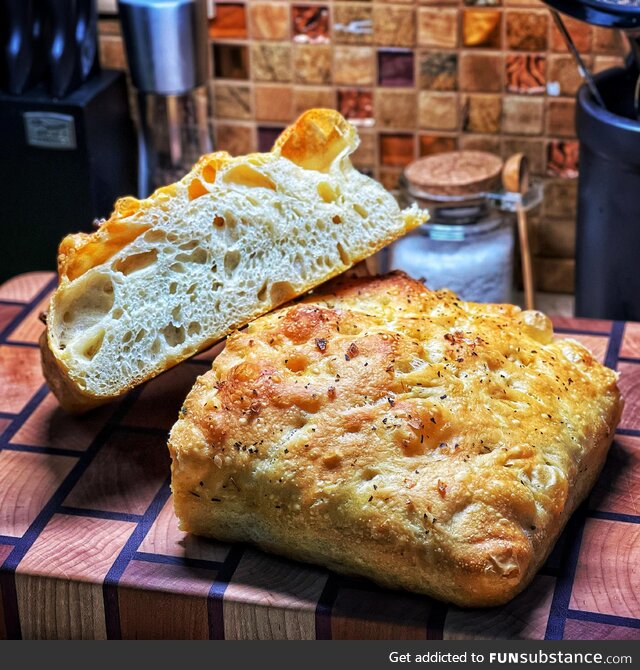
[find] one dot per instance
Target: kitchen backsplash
(417, 78)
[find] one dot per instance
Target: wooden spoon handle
(527, 266)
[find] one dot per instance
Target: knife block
(62, 165)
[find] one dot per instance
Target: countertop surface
(90, 547)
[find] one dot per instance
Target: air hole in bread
(252, 201)
(141, 333)
(244, 175)
(369, 473)
(192, 289)
(196, 256)
(154, 236)
(218, 221)
(344, 256)
(297, 363)
(209, 173)
(196, 189)
(281, 291)
(194, 328)
(189, 245)
(337, 218)
(173, 335)
(90, 300)
(172, 237)
(156, 346)
(173, 288)
(117, 313)
(177, 267)
(326, 192)
(127, 337)
(90, 347)
(231, 261)
(176, 313)
(136, 262)
(262, 292)
(361, 210)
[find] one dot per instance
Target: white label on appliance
(49, 130)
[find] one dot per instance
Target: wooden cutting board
(90, 547)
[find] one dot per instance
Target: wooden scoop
(515, 179)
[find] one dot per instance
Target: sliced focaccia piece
(388, 431)
(168, 276)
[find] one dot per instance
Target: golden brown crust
(382, 429)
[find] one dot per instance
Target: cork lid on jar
(455, 173)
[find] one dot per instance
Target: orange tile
(522, 115)
(59, 581)
(394, 109)
(436, 144)
(629, 384)
(580, 34)
(526, 73)
(274, 103)
(527, 30)
(396, 150)
(21, 376)
(394, 26)
(311, 64)
(237, 140)
(310, 23)
(230, 21)
(272, 598)
(618, 488)
(348, 15)
(50, 426)
(631, 341)
(269, 20)
(607, 579)
(561, 118)
(482, 113)
(27, 481)
(24, 288)
(481, 28)
(164, 602)
(438, 28)
(124, 476)
(164, 537)
(525, 617)
(358, 614)
(438, 111)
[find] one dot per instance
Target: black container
(62, 164)
(608, 238)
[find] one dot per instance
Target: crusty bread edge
(454, 583)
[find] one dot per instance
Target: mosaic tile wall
(417, 78)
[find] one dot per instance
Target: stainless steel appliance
(167, 51)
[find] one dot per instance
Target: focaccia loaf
(168, 276)
(384, 430)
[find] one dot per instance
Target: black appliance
(67, 142)
(608, 127)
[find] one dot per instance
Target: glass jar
(467, 246)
